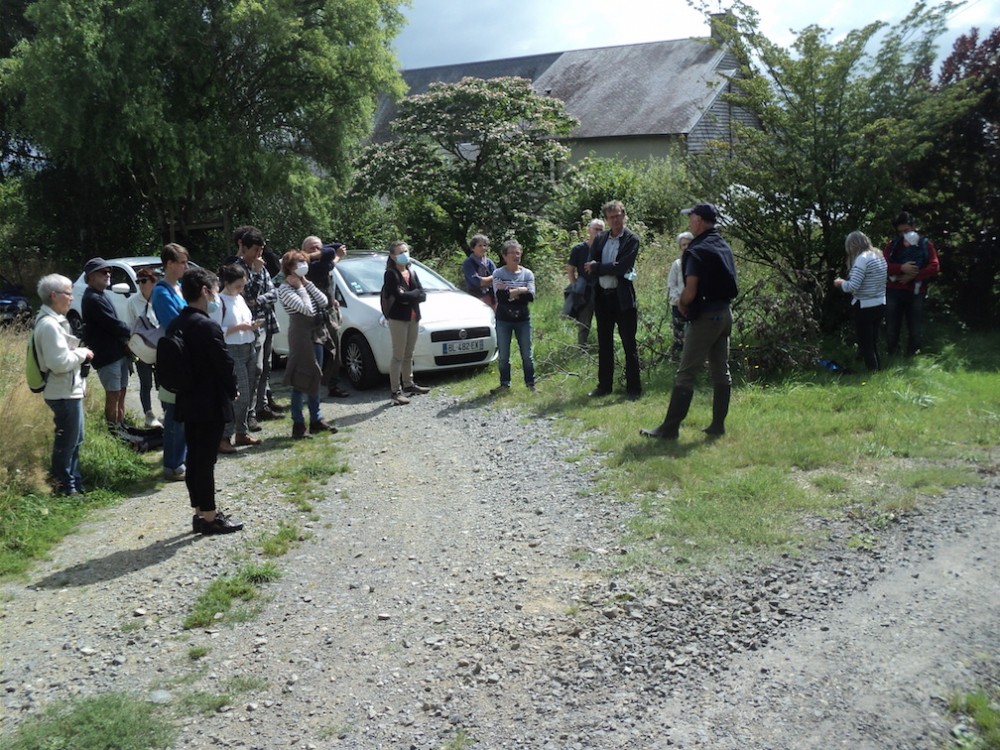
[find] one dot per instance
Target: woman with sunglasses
(141, 304)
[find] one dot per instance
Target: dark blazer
(215, 379)
(104, 332)
(406, 301)
(628, 251)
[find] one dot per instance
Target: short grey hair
(50, 284)
(308, 240)
(599, 223)
(479, 239)
(684, 236)
(509, 245)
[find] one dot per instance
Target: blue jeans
(174, 445)
(505, 331)
(146, 382)
(313, 398)
(67, 413)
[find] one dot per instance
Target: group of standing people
(226, 323)
(891, 284)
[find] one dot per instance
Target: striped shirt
(867, 279)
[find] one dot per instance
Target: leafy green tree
(838, 125)
(201, 106)
(959, 194)
(590, 183)
(483, 152)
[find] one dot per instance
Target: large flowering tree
(484, 153)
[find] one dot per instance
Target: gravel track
(447, 590)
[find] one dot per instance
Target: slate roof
(655, 88)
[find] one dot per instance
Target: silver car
(456, 330)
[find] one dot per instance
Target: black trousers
(203, 440)
(609, 314)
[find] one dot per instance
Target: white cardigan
(58, 352)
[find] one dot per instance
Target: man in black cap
(709, 287)
(107, 336)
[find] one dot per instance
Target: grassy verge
(799, 448)
(102, 722)
(981, 709)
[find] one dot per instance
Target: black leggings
(868, 324)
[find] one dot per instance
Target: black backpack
(173, 366)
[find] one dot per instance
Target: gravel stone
(463, 576)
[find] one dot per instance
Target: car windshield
(364, 275)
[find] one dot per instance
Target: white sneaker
(151, 420)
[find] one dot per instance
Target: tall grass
(32, 519)
(27, 424)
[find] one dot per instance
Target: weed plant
(302, 475)
(982, 708)
(113, 721)
(216, 602)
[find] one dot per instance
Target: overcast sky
(440, 32)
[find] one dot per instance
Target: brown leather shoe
(226, 447)
(244, 438)
(266, 414)
(319, 426)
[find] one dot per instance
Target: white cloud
(455, 31)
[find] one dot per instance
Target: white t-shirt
(233, 310)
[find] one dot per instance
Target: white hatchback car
(123, 286)
(456, 330)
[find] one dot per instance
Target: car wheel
(359, 362)
(75, 323)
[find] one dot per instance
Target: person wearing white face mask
(307, 333)
(403, 291)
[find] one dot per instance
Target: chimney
(720, 20)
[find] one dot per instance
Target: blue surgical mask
(214, 306)
(403, 259)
